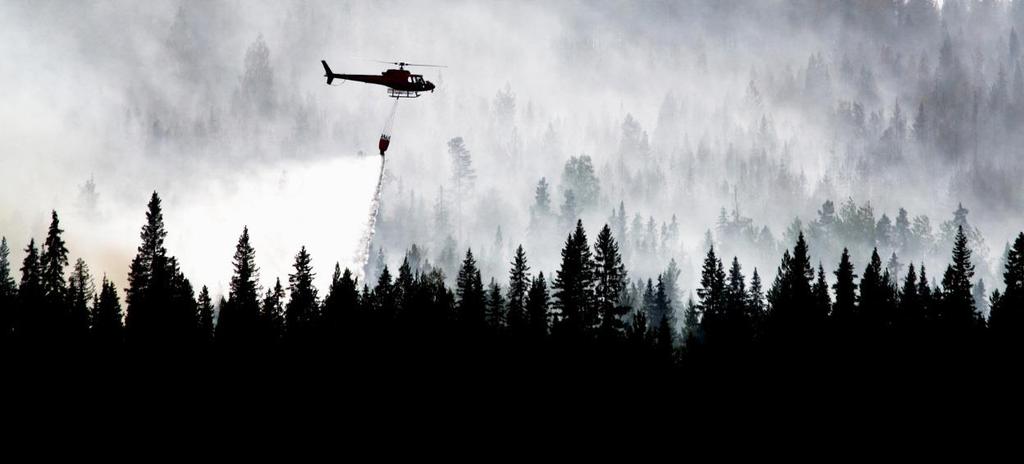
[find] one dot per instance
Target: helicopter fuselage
(398, 79)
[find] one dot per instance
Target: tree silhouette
(537, 307)
(81, 293)
(204, 316)
(845, 309)
(470, 290)
(822, 299)
(495, 306)
(238, 324)
(30, 324)
(149, 281)
(301, 311)
(1007, 317)
(876, 300)
(518, 287)
(713, 298)
(272, 314)
(610, 281)
(8, 293)
(53, 259)
(574, 286)
(958, 311)
(107, 330)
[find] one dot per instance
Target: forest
(587, 314)
(666, 186)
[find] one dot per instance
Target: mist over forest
(680, 124)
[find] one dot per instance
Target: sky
(174, 96)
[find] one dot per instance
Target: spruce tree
(662, 303)
(8, 293)
(844, 310)
(790, 300)
(332, 305)
(692, 332)
(204, 308)
(874, 294)
(272, 314)
(910, 313)
(637, 331)
(152, 247)
(537, 307)
(929, 307)
(470, 290)
(29, 323)
(822, 299)
(610, 281)
(301, 311)
(518, 287)
(958, 309)
(239, 320)
(495, 306)
(107, 329)
(713, 296)
(81, 292)
(755, 301)
(574, 286)
(53, 258)
(1007, 317)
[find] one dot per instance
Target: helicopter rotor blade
(402, 63)
(427, 65)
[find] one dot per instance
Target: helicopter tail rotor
(327, 72)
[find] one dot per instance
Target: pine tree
(755, 302)
(610, 280)
(713, 296)
(107, 329)
(204, 316)
(8, 293)
(332, 305)
(53, 258)
(404, 290)
(875, 303)
(148, 280)
(845, 309)
(29, 323)
(537, 306)
(929, 308)
(736, 302)
(470, 290)
(81, 292)
(662, 303)
(822, 299)
(574, 286)
(518, 287)
(958, 309)
(1007, 317)
(910, 313)
(495, 306)
(692, 332)
(637, 331)
(301, 312)
(791, 315)
(238, 323)
(664, 340)
(272, 314)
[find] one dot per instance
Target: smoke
(682, 108)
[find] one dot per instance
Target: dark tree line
(585, 310)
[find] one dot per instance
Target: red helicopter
(400, 83)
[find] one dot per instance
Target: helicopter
(400, 82)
